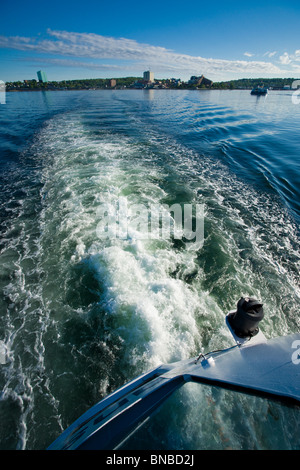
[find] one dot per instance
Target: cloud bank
(128, 54)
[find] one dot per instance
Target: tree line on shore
(249, 83)
(128, 82)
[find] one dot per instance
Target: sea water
(81, 314)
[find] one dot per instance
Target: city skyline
(222, 41)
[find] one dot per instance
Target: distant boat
(259, 90)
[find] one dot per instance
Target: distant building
(149, 76)
(112, 83)
(42, 76)
(200, 81)
(139, 84)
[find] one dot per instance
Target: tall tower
(149, 76)
(42, 76)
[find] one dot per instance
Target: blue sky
(112, 38)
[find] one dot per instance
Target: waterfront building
(42, 76)
(149, 76)
(200, 81)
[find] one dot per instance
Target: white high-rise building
(149, 76)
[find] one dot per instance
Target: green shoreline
(134, 83)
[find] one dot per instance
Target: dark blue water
(81, 315)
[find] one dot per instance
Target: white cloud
(270, 54)
(296, 55)
(73, 63)
(248, 54)
(132, 54)
(285, 58)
